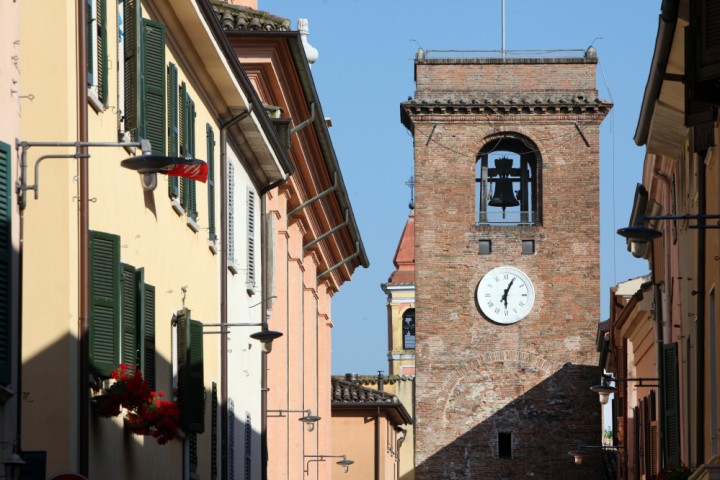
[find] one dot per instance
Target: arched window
(507, 182)
(408, 329)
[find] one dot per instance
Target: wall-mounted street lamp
(345, 462)
(147, 164)
(308, 419)
(265, 336)
(605, 389)
(581, 452)
(641, 234)
(13, 464)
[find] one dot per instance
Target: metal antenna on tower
(502, 28)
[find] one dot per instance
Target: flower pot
(105, 406)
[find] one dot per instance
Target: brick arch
(516, 130)
(523, 358)
(518, 172)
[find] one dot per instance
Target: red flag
(195, 172)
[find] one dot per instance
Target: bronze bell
(504, 196)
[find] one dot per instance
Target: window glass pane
(484, 247)
(528, 247)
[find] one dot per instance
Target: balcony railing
(509, 218)
(454, 54)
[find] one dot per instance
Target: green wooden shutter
(172, 100)
(104, 302)
(211, 181)
(250, 279)
(102, 51)
(147, 329)
(248, 446)
(131, 16)
(187, 149)
(128, 317)
(214, 432)
(230, 250)
(191, 384)
(672, 404)
(193, 452)
(192, 184)
(90, 50)
(152, 85)
(5, 261)
(184, 126)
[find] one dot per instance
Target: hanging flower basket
(147, 413)
(159, 419)
(105, 406)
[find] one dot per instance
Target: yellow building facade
(116, 273)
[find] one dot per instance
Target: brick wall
(490, 76)
(476, 378)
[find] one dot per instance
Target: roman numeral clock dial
(505, 295)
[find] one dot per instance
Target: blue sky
(365, 69)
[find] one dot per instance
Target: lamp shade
(639, 233)
(266, 337)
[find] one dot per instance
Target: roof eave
(275, 162)
(667, 22)
(308, 84)
(401, 415)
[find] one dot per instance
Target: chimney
(351, 377)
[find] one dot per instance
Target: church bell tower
(507, 264)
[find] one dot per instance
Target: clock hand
(505, 293)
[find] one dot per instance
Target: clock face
(505, 295)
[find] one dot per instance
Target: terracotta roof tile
(236, 17)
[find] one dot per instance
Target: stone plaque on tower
(507, 265)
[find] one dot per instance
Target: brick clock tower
(507, 271)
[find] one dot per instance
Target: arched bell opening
(507, 180)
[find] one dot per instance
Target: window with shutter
(231, 439)
(697, 109)
(5, 259)
(192, 437)
(187, 149)
(709, 68)
(172, 123)
(230, 250)
(250, 279)
(211, 181)
(130, 80)
(191, 386)
(248, 446)
(104, 302)
(671, 397)
(146, 327)
(97, 52)
(143, 77)
(128, 315)
(214, 433)
(152, 85)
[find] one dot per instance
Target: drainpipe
(700, 319)
(377, 443)
(83, 391)
(266, 266)
(660, 341)
(381, 386)
(660, 309)
(224, 427)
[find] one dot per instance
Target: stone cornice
(578, 105)
(467, 110)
